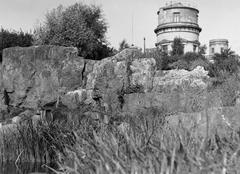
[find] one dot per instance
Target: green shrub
(177, 47)
(225, 64)
(189, 61)
(79, 25)
(13, 39)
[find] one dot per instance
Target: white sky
(218, 18)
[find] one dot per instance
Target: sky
(132, 19)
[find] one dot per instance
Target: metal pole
(144, 45)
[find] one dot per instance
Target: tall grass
(143, 145)
(28, 142)
(140, 144)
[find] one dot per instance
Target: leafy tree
(202, 49)
(189, 61)
(177, 47)
(123, 45)
(227, 53)
(225, 64)
(14, 38)
(78, 25)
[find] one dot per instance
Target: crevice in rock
(6, 97)
(121, 97)
(84, 79)
(23, 99)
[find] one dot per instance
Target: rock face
(34, 74)
(123, 83)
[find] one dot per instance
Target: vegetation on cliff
(13, 38)
(78, 25)
(122, 114)
(135, 120)
(225, 64)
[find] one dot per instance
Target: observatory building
(178, 21)
(217, 46)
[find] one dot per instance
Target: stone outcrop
(40, 74)
(45, 76)
(124, 83)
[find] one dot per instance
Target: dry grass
(39, 143)
(142, 145)
(139, 144)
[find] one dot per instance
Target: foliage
(144, 144)
(141, 143)
(123, 44)
(195, 59)
(229, 90)
(157, 54)
(189, 61)
(78, 25)
(202, 49)
(14, 38)
(225, 64)
(35, 140)
(177, 47)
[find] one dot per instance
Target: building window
(194, 48)
(213, 50)
(222, 49)
(165, 48)
(176, 17)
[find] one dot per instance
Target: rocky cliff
(32, 77)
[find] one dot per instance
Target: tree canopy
(226, 63)
(14, 38)
(177, 47)
(123, 44)
(78, 25)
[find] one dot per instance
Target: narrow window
(213, 50)
(222, 49)
(176, 17)
(194, 48)
(165, 48)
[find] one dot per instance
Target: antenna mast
(144, 45)
(132, 30)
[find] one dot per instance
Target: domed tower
(178, 21)
(217, 46)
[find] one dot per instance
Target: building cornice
(182, 7)
(184, 41)
(187, 31)
(177, 25)
(218, 41)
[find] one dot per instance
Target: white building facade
(217, 46)
(178, 21)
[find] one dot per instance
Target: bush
(14, 38)
(189, 61)
(225, 64)
(158, 55)
(78, 25)
(177, 47)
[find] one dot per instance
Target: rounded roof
(214, 41)
(179, 5)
